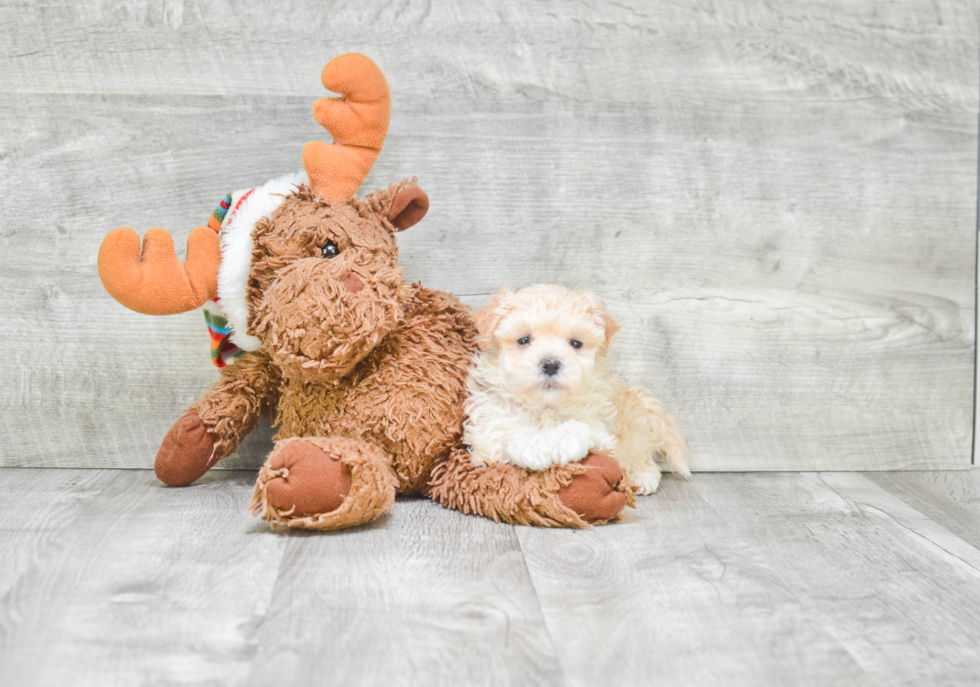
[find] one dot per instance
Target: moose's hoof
(595, 494)
(311, 481)
(324, 483)
(186, 452)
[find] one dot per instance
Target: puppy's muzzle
(550, 366)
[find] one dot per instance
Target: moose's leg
(187, 452)
(213, 427)
(573, 495)
(324, 483)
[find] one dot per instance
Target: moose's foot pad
(599, 493)
(309, 480)
(187, 452)
(324, 483)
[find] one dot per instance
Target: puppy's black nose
(550, 366)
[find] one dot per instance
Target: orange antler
(358, 122)
(159, 283)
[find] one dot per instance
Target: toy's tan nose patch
(351, 282)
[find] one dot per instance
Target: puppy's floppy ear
(489, 316)
(603, 318)
(609, 324)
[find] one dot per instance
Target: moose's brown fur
(372, 379)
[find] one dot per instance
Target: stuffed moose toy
(314, 327)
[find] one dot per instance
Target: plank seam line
(918, 535)
(537, 600)
(274, 587)
(976, 316)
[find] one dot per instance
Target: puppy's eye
(524, 341)
(329, 250)
(575, 343)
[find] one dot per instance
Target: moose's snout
(550, 366)
(351, 282)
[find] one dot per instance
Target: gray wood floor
(777, 200)
(109, 578)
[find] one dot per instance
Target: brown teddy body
(404, 398)
(388, 422)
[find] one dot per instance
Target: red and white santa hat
(234, 219)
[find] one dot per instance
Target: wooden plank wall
(778, 201)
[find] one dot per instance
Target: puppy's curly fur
(539, 394)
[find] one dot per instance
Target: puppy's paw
(542, 448)
(602, 441)
(570, 441)
(648, 480)
(530, 451)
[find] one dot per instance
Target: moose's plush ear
(408, 207)
(403, 204)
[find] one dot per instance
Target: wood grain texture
(36, 507)
(422, 596)
(952, 500)
(731, 579)
(752, 579)
(148, 585)
(777, 202)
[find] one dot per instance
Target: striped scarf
(223, 351)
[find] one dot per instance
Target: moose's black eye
(330, 250)
(575, 343)
(524, 341)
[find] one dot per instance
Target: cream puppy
(539, 394)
